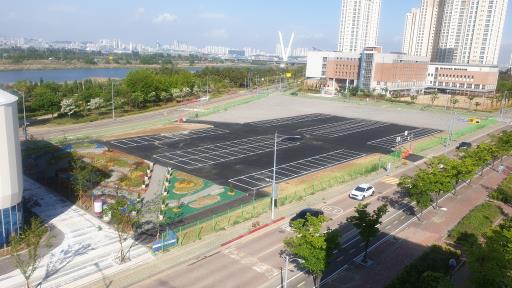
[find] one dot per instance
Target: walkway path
(86, 252)
(393, 255)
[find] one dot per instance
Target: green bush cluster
(477, 222)
(504, 192)
(419, 274)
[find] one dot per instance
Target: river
(62, 75)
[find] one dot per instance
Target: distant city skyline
(227, 23)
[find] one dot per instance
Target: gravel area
(277, 106)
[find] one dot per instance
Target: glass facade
(11, 220)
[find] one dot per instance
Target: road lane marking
(339, 259)
(390, 180)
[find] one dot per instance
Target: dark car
(463, 145)
(302, 214)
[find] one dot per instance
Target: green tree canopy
(367, 223)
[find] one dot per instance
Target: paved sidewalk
(210, 244)
(393, 255)
(86, 252)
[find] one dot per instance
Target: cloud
(212, 15)
(217, 33)
(62, 8)
(165, 18)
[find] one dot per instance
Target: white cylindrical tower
(11, 175)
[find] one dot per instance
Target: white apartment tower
(420, 29)
(410, 32)
(456, 31)
(359, 25)
(471, 31)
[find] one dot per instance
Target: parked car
(463, 145)
(362, 191)
(302, 214)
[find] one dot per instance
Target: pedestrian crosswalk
(391, 180)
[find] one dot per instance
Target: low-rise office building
(461, 78)
(395, 74)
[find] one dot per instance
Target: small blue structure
(169, 240)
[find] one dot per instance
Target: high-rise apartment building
(456, 31)
(471, 31)
(420, 28)
(359, 25)
(410, 36)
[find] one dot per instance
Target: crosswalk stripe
(391, 180)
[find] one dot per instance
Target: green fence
(431, 143)
(195, 231)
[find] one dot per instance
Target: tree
(68, 106)
(312, 246)
(30, 240)
(420, 196)
(95, 104)
(433, 98)
(490, 263)
(434, 280)
(367, 223)
(503, 143)
(481, 155)
(471, 98)
(122, 222)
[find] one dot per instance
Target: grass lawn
(478, 221)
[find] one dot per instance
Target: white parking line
(301, 168)
(143, 140)
(342, 128)
(391, 142)
(206, 155)
(287, 120)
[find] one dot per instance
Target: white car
(362, 191)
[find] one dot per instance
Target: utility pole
(286, 273)
(274, 178)
(25, 132)
(113, 103)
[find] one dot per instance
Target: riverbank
(56, 65)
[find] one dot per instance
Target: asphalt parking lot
(241, 155)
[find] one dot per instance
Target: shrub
(433, 261)
(478, 221)
(504, 192)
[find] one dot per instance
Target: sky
(231, 23)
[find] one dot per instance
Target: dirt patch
(304, 181)
(204, 201)
(173, 128)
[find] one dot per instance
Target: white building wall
(471, 31)
(11, 178)
(359, 25)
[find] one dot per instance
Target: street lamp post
(274, 177)
(274, 190)
(113, 103)
(286, 273)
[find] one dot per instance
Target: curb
(251, 232)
